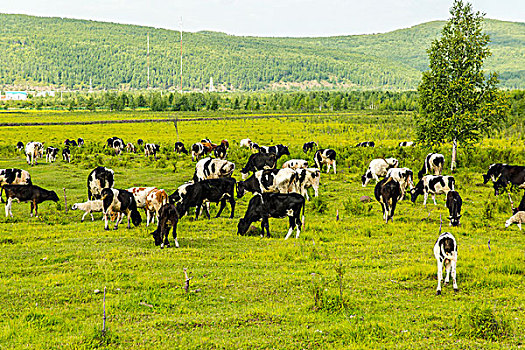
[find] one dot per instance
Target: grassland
(348, 283)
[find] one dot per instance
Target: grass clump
(481, 322)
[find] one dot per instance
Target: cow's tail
(423, 170)
(1, 191)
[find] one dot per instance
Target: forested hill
(40, 51)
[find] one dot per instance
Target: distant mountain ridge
(77, 54)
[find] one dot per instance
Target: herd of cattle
(278, 193)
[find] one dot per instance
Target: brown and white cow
(155, 199)
(140, 194)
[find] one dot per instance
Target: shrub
(355, 207)
(481, 322)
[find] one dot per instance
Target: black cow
(273, 205)
(503, 174)
(366, 144)
(179, 148)
(259, 161)
(388, 193)
(99, 178)
(211, 190)
(140, 142)
(279, 150)
(168, 218)
(69, 142)
(80, 142)
(121, 202)
(26, 193)
(66, 155)
(454, 203)
(308, 146)
(20, 146)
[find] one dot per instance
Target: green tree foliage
(458, 101)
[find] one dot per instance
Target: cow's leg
(335, 171)
(266, 224)
(434, 198)
(425, 198)
(455, 285)
(207, 210)
(106, 220)
(83, 216)
(392, 210)
(147, 217)
(197, 210)
(129, 219)
(328, 168)
(232, 206)
(291, 221)
(117, 221)
(447, 272)
(439, 276)
(221, 208)
(36, 208)
(8, 205)
(174, 234)
(298, 225)
(32, 207)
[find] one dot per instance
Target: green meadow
(349, 281)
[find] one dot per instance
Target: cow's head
(157, 237)
(136, 219)
(53, 196)
(454, 220)
(416, 191)
(241, 189)
(366, 178)
(486, 178)
(243, 226)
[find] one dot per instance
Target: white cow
(378, 167)
(446, 253)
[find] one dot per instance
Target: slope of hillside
(71, 53)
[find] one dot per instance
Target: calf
(518, 218)
(378, 167)
(366, 144)
(34, 150)
(155, 199)
(296, 164)
(89, 207)
(19, 146)
(121, 202)
(406, 143)
(51, 154)
(403, 176)
(167, 217)
(503, 174)
(269, 180)
(273, 205)
(454, 203)
(433, 184)
(306, 178)
(212, 190)
(446, 253)
(66, 155)
(259, 161)
(325, 156)
(246, 143)
(209, 168)
(14, 176)
(221, 151)
(98, 179)
(179, 148)
(388, 193)
(130, 148)
(26, 193)
(151, 149)
(434, 162)
(140, 194)
(308, 146)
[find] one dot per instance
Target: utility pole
(148, 60)
(181, 54)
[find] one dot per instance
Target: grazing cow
(167, 217)
(306, 178)
(26, 193)
(269, 180)
(121, 202)
(69, 142)
(434, 162)
(155, 199)
(34, 150)
(221, 151)
(118, 146)
(89, 207)
(296, 164)
(80, 142)
(111, 140)
(308, 146)
(140, 194)
(246, 143)
(273, 205)
(130, 148)
(503, 174)
(51, 154)
(366, 144)
(279, 150)
(433, 184)
(209, 168)
(454, 203)
(66, 155)
(446, 253)
(179, 148)
(14, 176)
(98, 179)
(259, 161)
(406, 143)
(388, 193)
(140, 142)
(20, 146)
(325, 156)
(518, 218)
(151, 149)
(212, 190)
(199, 149)
(404, 176)
(378, 167)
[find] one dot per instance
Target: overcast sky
(265, 17)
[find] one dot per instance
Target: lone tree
(458, 101)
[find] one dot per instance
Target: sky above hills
(297, 18)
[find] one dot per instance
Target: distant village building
(45, 94)
(14, 96)
(212, 88)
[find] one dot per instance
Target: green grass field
(348, 283)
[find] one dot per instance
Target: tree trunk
(454, 155)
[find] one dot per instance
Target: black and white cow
(273, 205)
(308, 146)
(212, 190)
(120, 202)
(130, 148)
(404, 176)
(116, 143)
(14, 176)
(454, 203)
(406, 143)
(259, 161)
(366, 144)
(221, 151)
(446, 254)
(140, 142)
(151, 149)
(247, 143)
(34, 150)
(433, 184)
(26, 193)
(80, 142)
(20, 146)
(503, 174)
(388, 193)
(295, 164)
(98, 179)
(269, 180)
(433, 163)
(69, 142)
(179, 148)
(209, 168)
(279, 150)
(168, 218)
(306, 178)
(325, 156)
(51, 154)
(378, 167)
(199, 149)
(66, 155)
